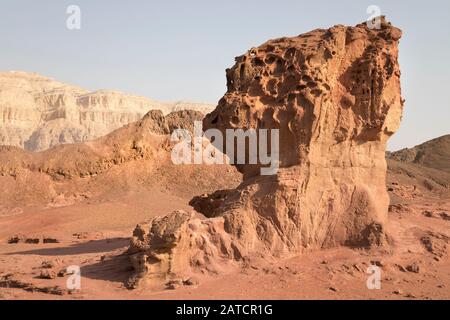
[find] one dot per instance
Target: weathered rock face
(37, 113)
(335, 97)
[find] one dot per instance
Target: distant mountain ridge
(38, 113)
(433, 154)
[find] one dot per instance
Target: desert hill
(135, 157)
(432, 154)
(423, 169)
(37, 113)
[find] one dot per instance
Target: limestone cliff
(37, 113)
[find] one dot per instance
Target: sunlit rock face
(335, 97)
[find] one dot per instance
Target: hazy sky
(173, 50)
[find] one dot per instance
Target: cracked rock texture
(335, 97)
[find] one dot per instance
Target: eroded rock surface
(335, 97)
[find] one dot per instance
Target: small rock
(47, 264)
(333, 289)
(57, 290)
(191, 282)
(413, 268)
(47, 274)
(428, 214)
(444, 215)
(174, 284)
(398, 292)
(50, 240)
(81, 235)
(16, 239)
(32, 240)
(401, 268)
(377, 263)
(62, 273)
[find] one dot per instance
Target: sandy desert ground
(95, 236)
(415, 267)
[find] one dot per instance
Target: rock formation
(136, 157)
(335, 97)
(37, 113)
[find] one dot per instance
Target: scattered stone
(47, 274)
(334, 289)
(445, 216)
(399, 208)
(62, 273)
(400, 267)
(47, 264)
(431, 214)
(32, 240)
(174, 284)
(428, 214)
(8, 281)
(377, 263)
(81, 235)
(191, 282)
(435, 243)
(414, 267)
(16, 239)
(50, 240)
(357, 267)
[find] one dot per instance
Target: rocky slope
(37, 113)
(133, 158)
(335, 97)
(431, 154)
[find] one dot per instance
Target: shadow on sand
(114, 268)
(93, 246)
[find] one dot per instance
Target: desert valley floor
(415, 265)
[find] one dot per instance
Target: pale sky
(179, 50)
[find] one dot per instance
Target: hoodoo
(335, 97)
